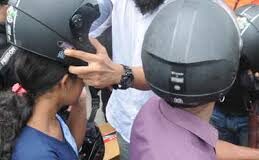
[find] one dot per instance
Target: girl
(29, 125)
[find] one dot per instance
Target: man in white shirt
(129, 26)
(130, 20)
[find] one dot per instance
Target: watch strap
(126, 79)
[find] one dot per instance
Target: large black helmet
(48, 27)
(248, 21)
(3, 2)
(191, 52)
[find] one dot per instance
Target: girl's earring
(222, 99)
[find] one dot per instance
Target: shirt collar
(190, 122)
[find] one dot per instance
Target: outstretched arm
(101, 72)
(228, 151)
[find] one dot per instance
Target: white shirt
(129, 27)
(128, 30)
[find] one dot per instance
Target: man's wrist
(126, 78)
(119, 72)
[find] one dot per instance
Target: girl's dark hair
(35, 74)
(148, 6)
(14, 113)
(7, 78)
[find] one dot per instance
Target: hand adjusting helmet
(248, 21)
(48, 27)
(191, 52)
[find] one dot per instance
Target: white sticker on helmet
(7, 55)
(177, 77)
(11, 14)
(178, 100)
(63, 45)
(10, 24)
(249, 22)
(242, 22)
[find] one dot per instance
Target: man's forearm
(228, 151)
(139, 79)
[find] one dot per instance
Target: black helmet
(3, 2)
(48, 27)
(248, 21)
(191, 52)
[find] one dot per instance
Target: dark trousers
(231, 128)
(124, 147)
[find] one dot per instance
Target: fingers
(89, 76)
(100, 49)
(87, 57)
(81, 70)
(92, 83)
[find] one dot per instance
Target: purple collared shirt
(161, 132)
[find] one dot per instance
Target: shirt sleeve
(104, 21)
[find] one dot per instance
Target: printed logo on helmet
(11, 14)
(177, 77)
(242, 22)
(7, 55)
(177, 81)
(10, 21)
(178, 100)
(61, 55)
(63, 45)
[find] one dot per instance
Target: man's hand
(101, 72)
(228, 151)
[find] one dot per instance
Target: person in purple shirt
(190, 58)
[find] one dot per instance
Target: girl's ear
(64, 81)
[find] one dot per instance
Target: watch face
(128, 81)
(127, 78)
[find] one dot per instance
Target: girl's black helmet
(47, 27)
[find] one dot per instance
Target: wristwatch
(126, 79)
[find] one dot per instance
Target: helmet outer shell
(248, 21)
(191, 52)
(45, 28)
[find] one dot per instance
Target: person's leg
(124, 147)
(231, 124)
(243, 130)
(219, 121)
